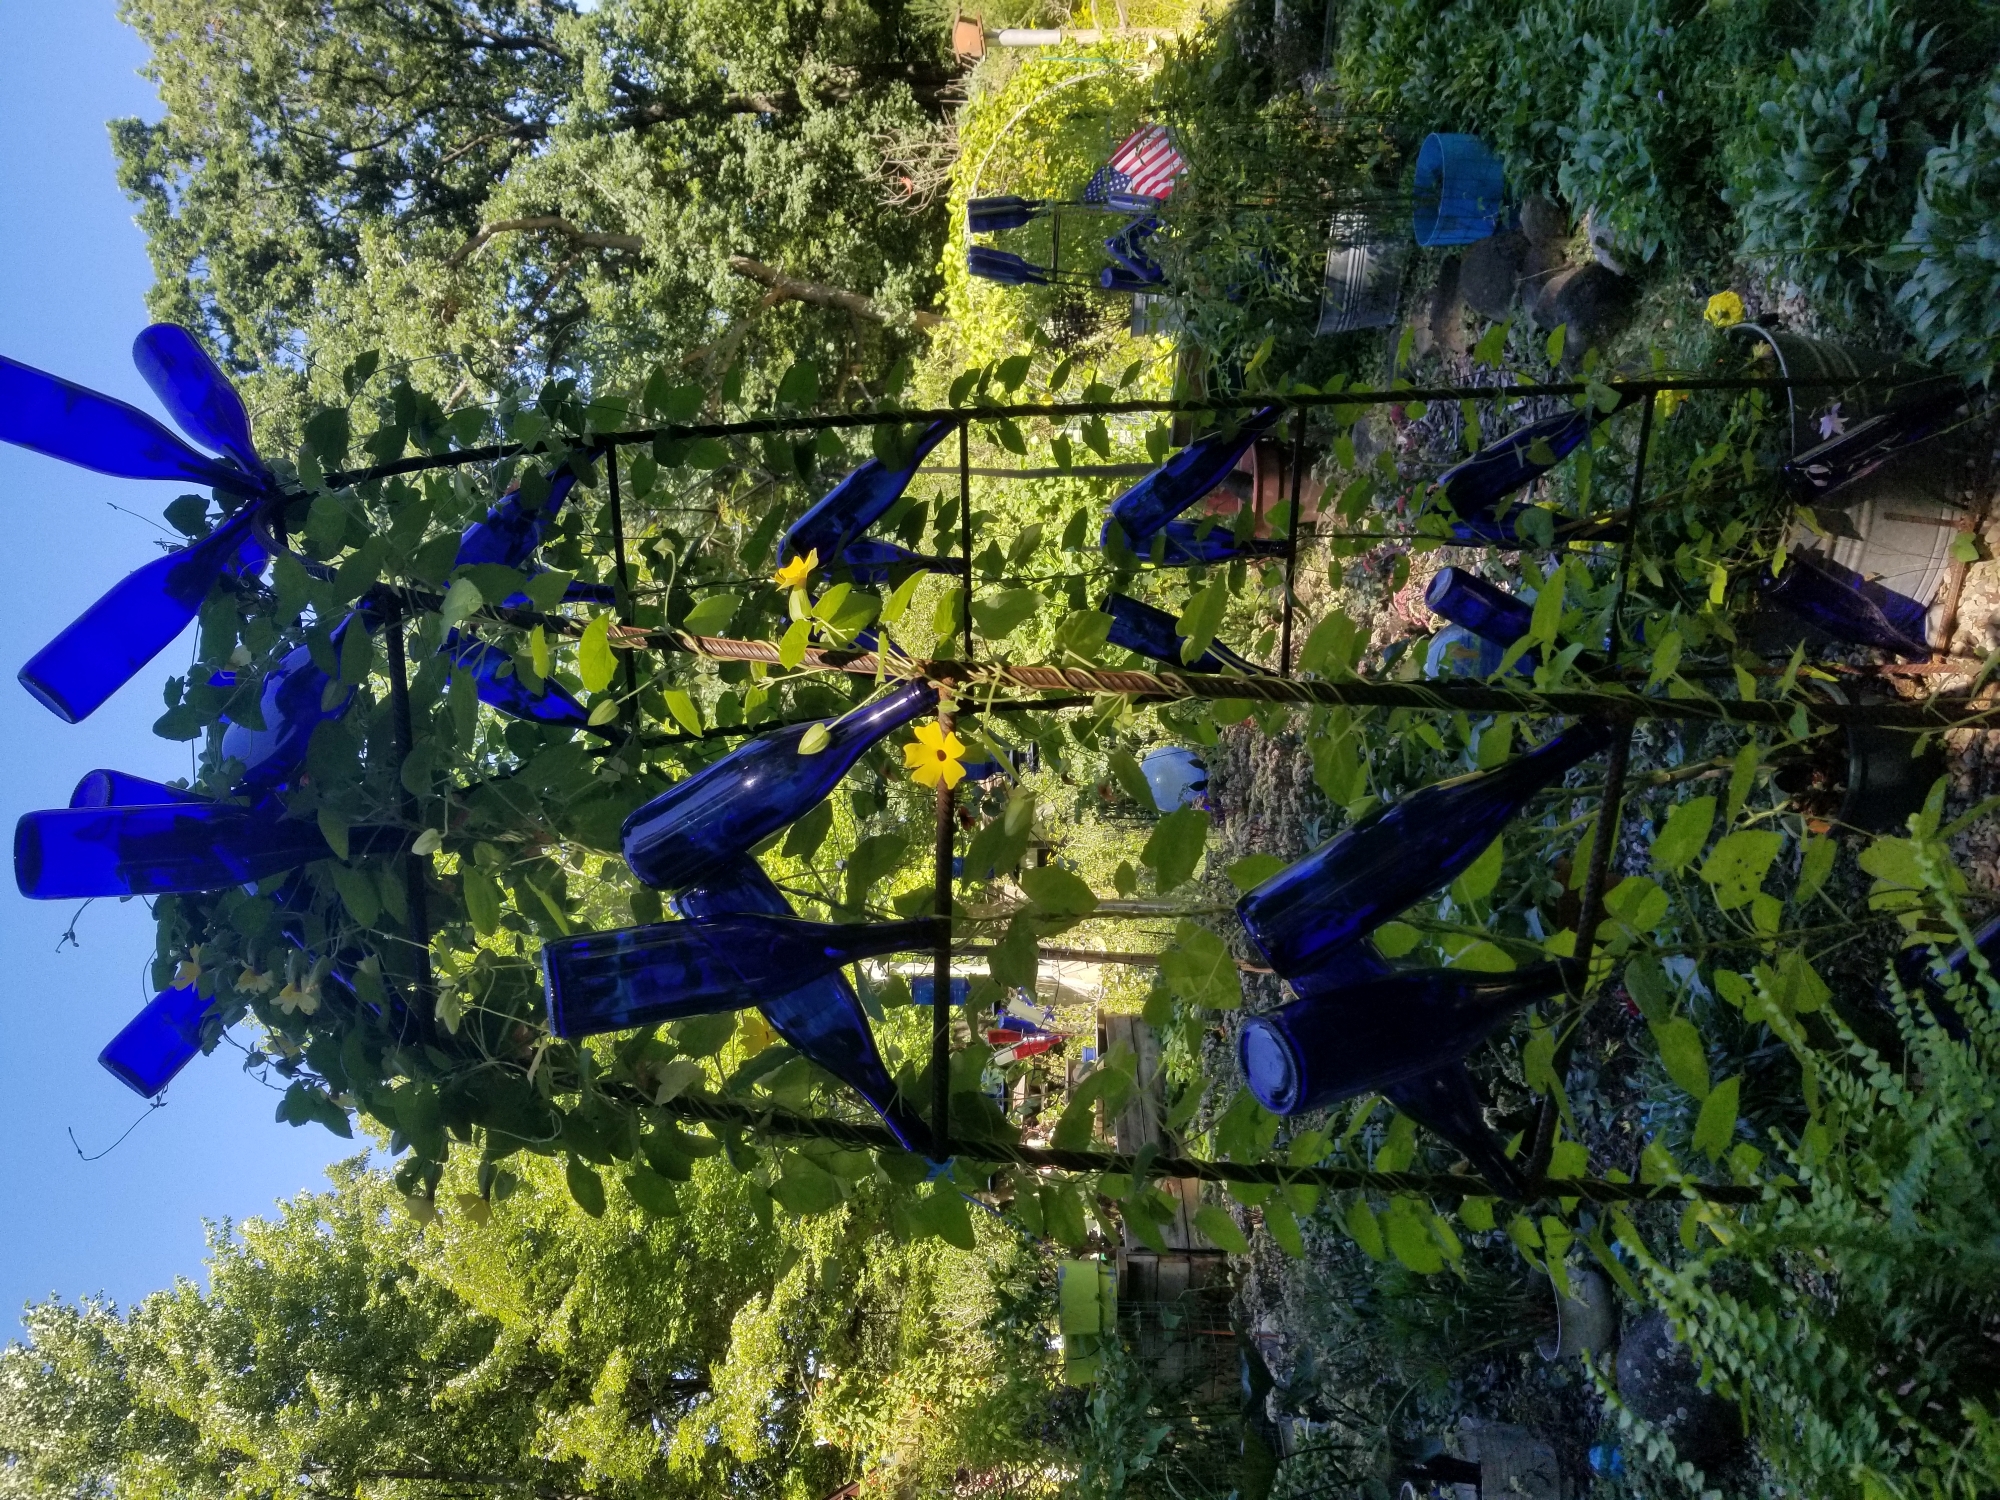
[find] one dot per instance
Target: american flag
(1147, 163)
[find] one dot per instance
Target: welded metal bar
(941, 967)
(624, 580)
(836, 421)
(413, 864)
(1292, 544)
(965, 528)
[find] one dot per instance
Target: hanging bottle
(993, 215)
(1189, 547)
(696, 826)
(1155, 633)
(1927, 977)
(640, 976)
(1847, 606)
(1848, 456)
(70, 853)
(120, 789)
(506, 693)
(105, 647)
(1446, 1102)
(1004, 267)
(1184, 479)
(822, 1020)
(158, 1042)
(873, 563)
(1485, 609)
(1369, 1036)
(1477, 486)
(512, 529)
(842, 516)
(295, 700)
(1399, 854)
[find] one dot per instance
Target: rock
(1656, 1378)
(1590, 299)
(1543, 222)
(1541, 265)
(1491, 269)
(1603, 248)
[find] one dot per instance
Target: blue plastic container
(1459, 190)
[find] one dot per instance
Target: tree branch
(562, 226)
(792, 289)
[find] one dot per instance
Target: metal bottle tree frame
(1081, 685)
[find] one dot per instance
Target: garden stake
(1646, 404)
(965, 529)
(624, 579)
(1292, 543)
(413, 864)
(941, 970)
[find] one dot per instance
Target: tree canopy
(489, 188)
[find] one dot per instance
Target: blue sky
(73, 277)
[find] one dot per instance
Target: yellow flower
(1666, 403)
(190, 970)
(253, 983)
(793, 574)
(293, 1000)
(935, 755)
(1724, 310)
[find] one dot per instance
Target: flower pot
(1460, 190)
(1885, 783)
(1586, 1319)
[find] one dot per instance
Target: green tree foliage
(345, 1348)
(516, 185)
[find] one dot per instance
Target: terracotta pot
(1263, 477)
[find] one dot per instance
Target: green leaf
(482, 902)
(1016, 957)
(303, 1103)
(1492, 345)
(1131, 780)
(1666, 659)
(585, 1186)
(1682, 1054)
(1365, 1229)
(1715, 1128)
(1480, 877)
(1556, 342)
(1201, 618)
(460, 600)
(594, 661)
(805, 1188)
(873, 858)
(651, 1191)
(358, 893)
(1815, 864)
(998, 616)
(1057, 892)
(1408, 1231)
(942, 1212)
(899, 602)
(1684, 835)
(1221, 1229)
(799, 388)
(1284, 1227)
(681, 706)
(1646, 983)
(816, 738)
(1394, 939)
(1083, 632)
(1737, 864)
(1334, 647)
(1639, 903)
(712, 615)
(1741, 777)
(1175, 847)
(792, 645)
(1252, 870)
(1199, 970)
(803, 838)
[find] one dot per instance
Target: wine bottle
(158, 1042)
(1872, 442)
(1485, 609)
(822, 1020)
(1155, 633)
(197, 395)
(508, 694)
(640, 976)
(871, 562)
(1475, 487)
(1369, 1036)
(1446, 1102)
(842, 516)
(1926, 976)
(993, 215)
(1399, 854)
(1188, 546)
(1005, 267)
(69, 853)
(295, 700)
(696, 826)
(121, 789)
(1847, 606)
(105, 646)
(513, 530)
(1184, 479)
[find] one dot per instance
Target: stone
(1491, 268)
(1657, 1380)
(1590, 299)
(1543, 222)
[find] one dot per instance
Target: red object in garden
(1264, 477)
(1145, 166)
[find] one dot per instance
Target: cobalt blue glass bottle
(1004, 267)
(158, 1042)
(512, 531)
(104, 648)
(844, 513)
(196, 394)
(1188, 546)
(1873, 442)
(1371, 1035)
(1153, 632)
(992, 215)
(1485, 609)
(696, 826)
(508, 694)
(1927, 977)
(1184, 479)
(1476, 486)
(639, 976)
(293, 703)
(822, 1020)
(1446, 1102)
(120, 789)
(70, 853)
(871, 562)
(1847, 606)
(1399, 854)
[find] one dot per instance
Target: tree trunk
(791, 289)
